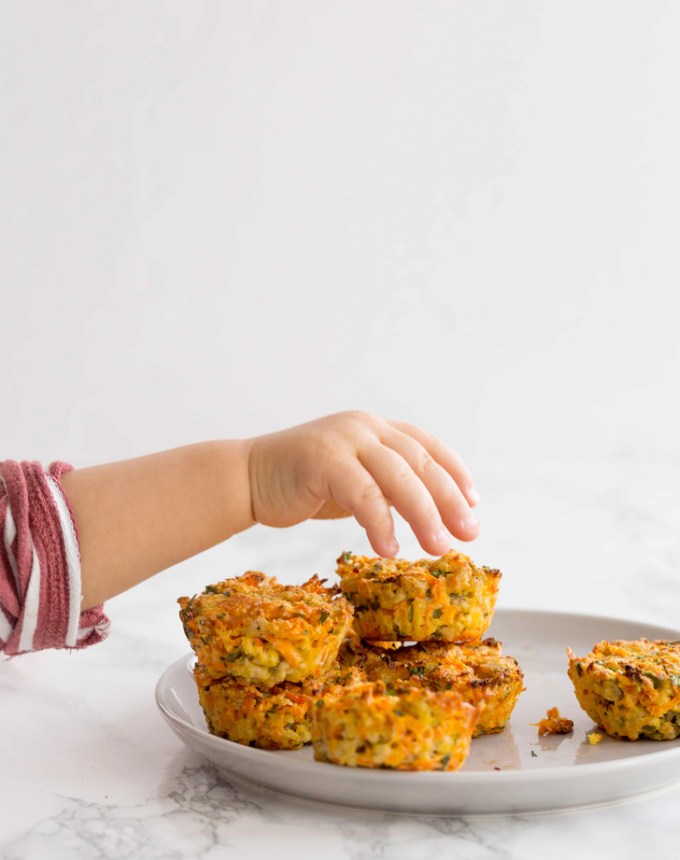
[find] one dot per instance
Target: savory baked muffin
(448, 599)
(253, 628)
(274, 719)
(404, 728)
(631, 689)
(477, 670)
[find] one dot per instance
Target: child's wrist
(236, 500)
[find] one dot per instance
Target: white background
(219, 219)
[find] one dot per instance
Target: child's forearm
(137, 517)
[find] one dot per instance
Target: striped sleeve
(40, 581)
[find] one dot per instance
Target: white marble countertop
(90, 770)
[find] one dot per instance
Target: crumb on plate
(554, 724)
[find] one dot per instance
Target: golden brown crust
(273, 719)
(447, 599)
(630, 688)
(253, 628)
(405, 728)
(341, 675)
(478, 671)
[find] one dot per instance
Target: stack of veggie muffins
(279, 665)
(261, 650)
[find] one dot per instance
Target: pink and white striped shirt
(40, 585)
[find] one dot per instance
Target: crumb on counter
(554, 724)
(594, 738)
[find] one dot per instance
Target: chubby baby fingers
(353, 488)
(452, 505)
(442, 454)
(409, 495)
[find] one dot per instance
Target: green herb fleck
(445, 759)
(438, 613)
(658, 682)
(346, 557)
(534, 754)
(323, 617)
(418, 671)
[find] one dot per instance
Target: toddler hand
(360, 464)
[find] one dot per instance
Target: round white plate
(513, 772)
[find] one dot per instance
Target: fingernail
(394, 547)
(470, 524)
(473, 495)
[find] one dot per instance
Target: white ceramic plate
(513, 772)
